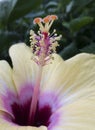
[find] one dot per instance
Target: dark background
(76, 23)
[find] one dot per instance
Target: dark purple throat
(21, 114)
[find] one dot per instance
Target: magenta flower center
(19, 107)
(21, 114)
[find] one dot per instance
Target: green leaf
(23, 7)
(82, 3)
(78, 23)
(6, 6)
(51, 4)
(89, 49)
(65, 2)
(6, 39)
(69, 7)
(69, 51)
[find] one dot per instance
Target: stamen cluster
(43, 44)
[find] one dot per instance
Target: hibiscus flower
(44, 92)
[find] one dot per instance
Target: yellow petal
(24, 69)
(79, 115)
(71, 79)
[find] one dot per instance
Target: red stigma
(45, 34)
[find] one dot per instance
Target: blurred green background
(76, 23)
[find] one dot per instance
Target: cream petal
(71, 79)
(24, 69)
(6, 82)
(79, 78)
(79, 115)
(51, 73)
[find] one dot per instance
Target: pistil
(42, 46)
